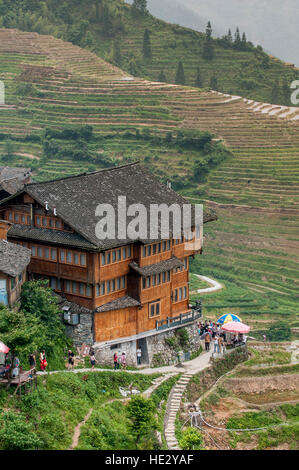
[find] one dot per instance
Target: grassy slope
(238, 72)
(253, 251)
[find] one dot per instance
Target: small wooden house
(14, 260)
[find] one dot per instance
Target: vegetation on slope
(118, 33)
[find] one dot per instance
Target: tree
(214, 82)
(229, 37)
(116, 53)
(180, 74)
(141, 412)
(162, 77)
(147, 49)
(275, 92)
(198, 82)
(208, 47)
(191, 439)
(237, 39)
(139, 7)
(285, 91)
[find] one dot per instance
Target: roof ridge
(102, 170)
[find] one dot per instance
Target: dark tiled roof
(49, 236)
(157, 268)
(122, 302)
(13, 258)
(76, 198)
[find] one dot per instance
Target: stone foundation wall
(82, 333)
(162, 347)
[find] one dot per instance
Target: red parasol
(236, 327)
(3, 349)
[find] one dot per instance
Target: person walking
(207, 341)
(43, 361)
(123, 361)
(138, 353)
(71, 360)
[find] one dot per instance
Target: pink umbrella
(236, 327)
(3, 349)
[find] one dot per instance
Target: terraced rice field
(253, 248)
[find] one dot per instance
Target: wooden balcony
(180, 320)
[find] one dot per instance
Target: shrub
(191, 439)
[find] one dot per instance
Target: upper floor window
(115, 256)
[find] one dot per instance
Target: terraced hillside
(54, 87)
(112, 30)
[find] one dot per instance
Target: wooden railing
(181, 319)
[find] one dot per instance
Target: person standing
(43, 361)
(32, 361)
(216, 344)
(92, 361)
(123, 361)
(115, 360)
(138, 352)
(71, 360)
(207, 341)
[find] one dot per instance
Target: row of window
(156, 248)
(65, 256)
(155, 280)
(179, 294)
(19, 218)
(154, 309)
(40, 221)
(113, 285)
(115, 256)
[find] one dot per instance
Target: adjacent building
(14, 260)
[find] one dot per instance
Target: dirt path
(77, 431)
(215, 285)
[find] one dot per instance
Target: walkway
(176, 394)
(215, 285)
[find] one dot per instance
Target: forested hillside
(144, 46)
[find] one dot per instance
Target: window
(40, 252)
(148, 282)
(20, 277)
(47, 253)
(149, 250)
(13, 283)
(164, 246)
(129, 251)
(113, 285)
(158, 279)
(62, 256)
(45, 222)
(108, 258)
(69, 257)
(124, 253)
(53, 254)
(113, 256)
(103, 288)
(68, 286)
(88, 291)
(83, 260)
(108, 288)
(154, 309)
(123, 280)
(76, 258)
(33, 250)
(82, 288)
(16, 217)
(154, 280)
(103, 259)
(144, 251)
(154, 249)
(159, 247)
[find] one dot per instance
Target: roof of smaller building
(12, 180)
(157, 268)
(122, 302)
(13, 258)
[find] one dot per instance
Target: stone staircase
(173, 406)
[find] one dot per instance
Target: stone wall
(162, 348)
(82, 333)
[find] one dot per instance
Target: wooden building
(129, 285)
(14, 260)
